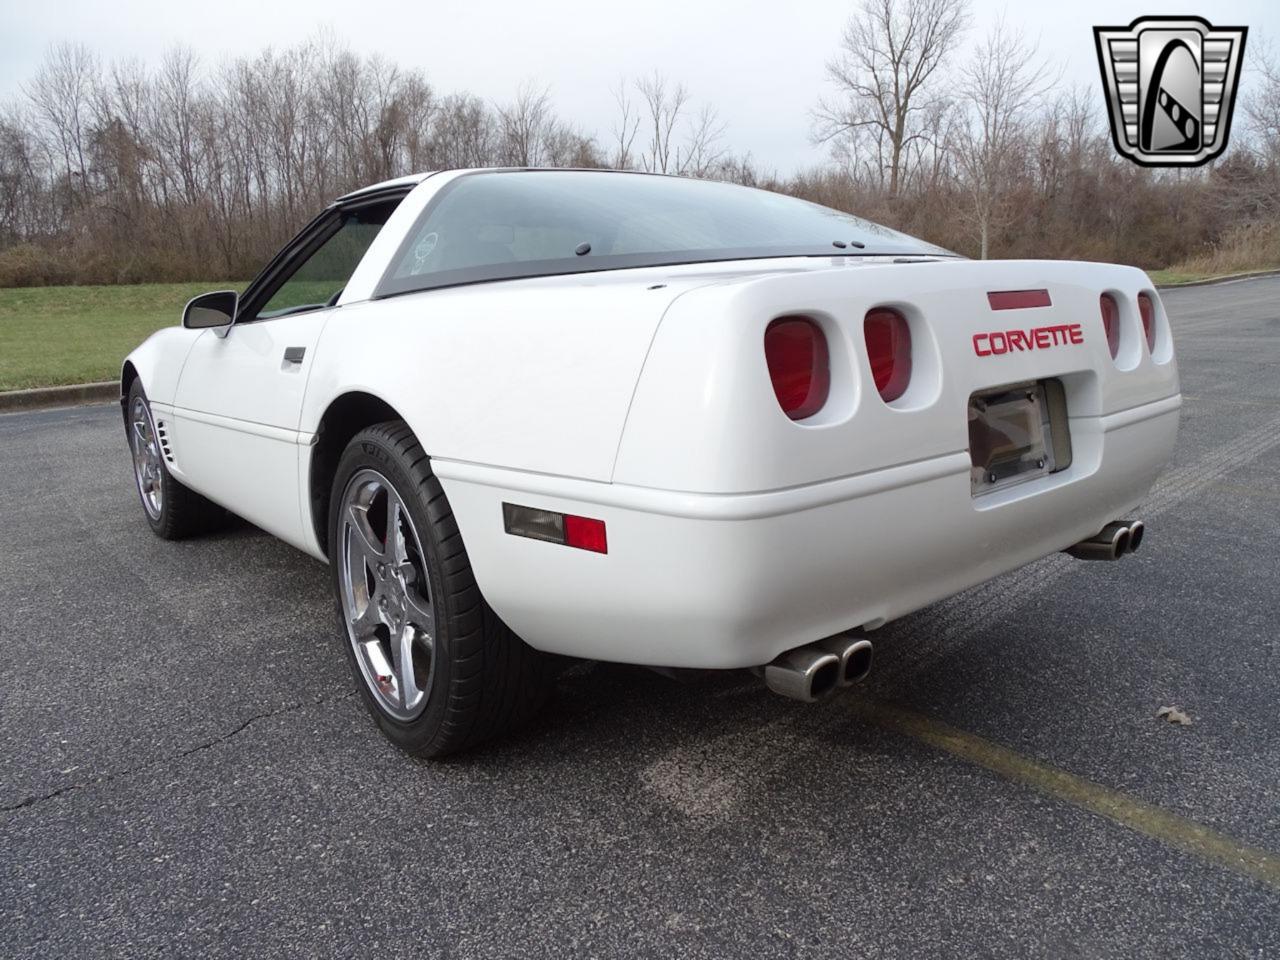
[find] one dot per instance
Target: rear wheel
(172, 510)
(436, 667)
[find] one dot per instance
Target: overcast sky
(760, 62)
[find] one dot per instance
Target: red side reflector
(1111, 322)
(795, 350)
(888, 337)
(1148, 311)
(1018, 299)
(565, 529)
(585, 534)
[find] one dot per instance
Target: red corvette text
(1036, 338)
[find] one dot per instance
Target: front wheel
(436, 667)
(173, 511)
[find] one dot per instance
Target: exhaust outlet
(1113, 542)
(855, 656)
(1136, 531)
(806, 673)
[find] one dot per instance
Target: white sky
(761, 62)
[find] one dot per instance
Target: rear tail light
(889, 348)
(1111, 322)
(585, 533)
(795, 349)
(1148, 311)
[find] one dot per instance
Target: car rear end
(825, 450)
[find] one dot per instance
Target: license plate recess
(1017, 433)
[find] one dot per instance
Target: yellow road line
(1153, 821)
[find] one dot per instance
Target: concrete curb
(43, 398)
(1211, 281)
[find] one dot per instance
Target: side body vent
(162, 434)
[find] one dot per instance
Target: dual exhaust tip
(817, 670)
(1113, 542)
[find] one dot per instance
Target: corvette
(1037, 338)
(533, 414)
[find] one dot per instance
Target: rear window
(510, 224)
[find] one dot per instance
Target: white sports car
(638, 418)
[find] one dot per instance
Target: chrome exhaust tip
(1113, 542)
(806, 673)
(1137, 529)
(855, 655)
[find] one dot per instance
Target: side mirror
(211, 310)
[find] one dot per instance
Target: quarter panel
(534, 375)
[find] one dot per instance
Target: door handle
(294, 354)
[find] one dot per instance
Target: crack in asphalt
(36, 799)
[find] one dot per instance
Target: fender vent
(162, 434)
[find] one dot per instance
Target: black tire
(484, 680)
(182, 512)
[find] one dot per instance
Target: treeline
(117, 172)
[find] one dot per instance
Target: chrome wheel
(386, 596)
(148, 469)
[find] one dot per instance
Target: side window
(320, 278)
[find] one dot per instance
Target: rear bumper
(732, 580)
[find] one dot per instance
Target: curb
(1211, 281)
(44, 398)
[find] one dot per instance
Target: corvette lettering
(1036, 338)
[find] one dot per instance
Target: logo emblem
(1170, 84)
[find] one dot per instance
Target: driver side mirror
(211, 310)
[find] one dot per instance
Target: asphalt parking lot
(186, 771)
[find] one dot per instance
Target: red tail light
(795, 349)
(1111, 322)
(1148, 311)
(889, 347)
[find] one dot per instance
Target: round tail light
(1111, 322)
(795, 349)
(888, 339)
(1147, 308)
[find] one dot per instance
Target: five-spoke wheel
(173, 510)
(386, 595)
(148, 468)
(437, 668)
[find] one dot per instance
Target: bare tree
(703, 148)
(1263, 107)
(625, 129)
(19, 182)
(665, 104)
(886, 75)
(61, 94)
(1000, 87)
(176, 94)
(525, 124)
(465, 132)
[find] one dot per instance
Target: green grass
(56, 335)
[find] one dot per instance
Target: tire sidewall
(371, 451)
(158, 524)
